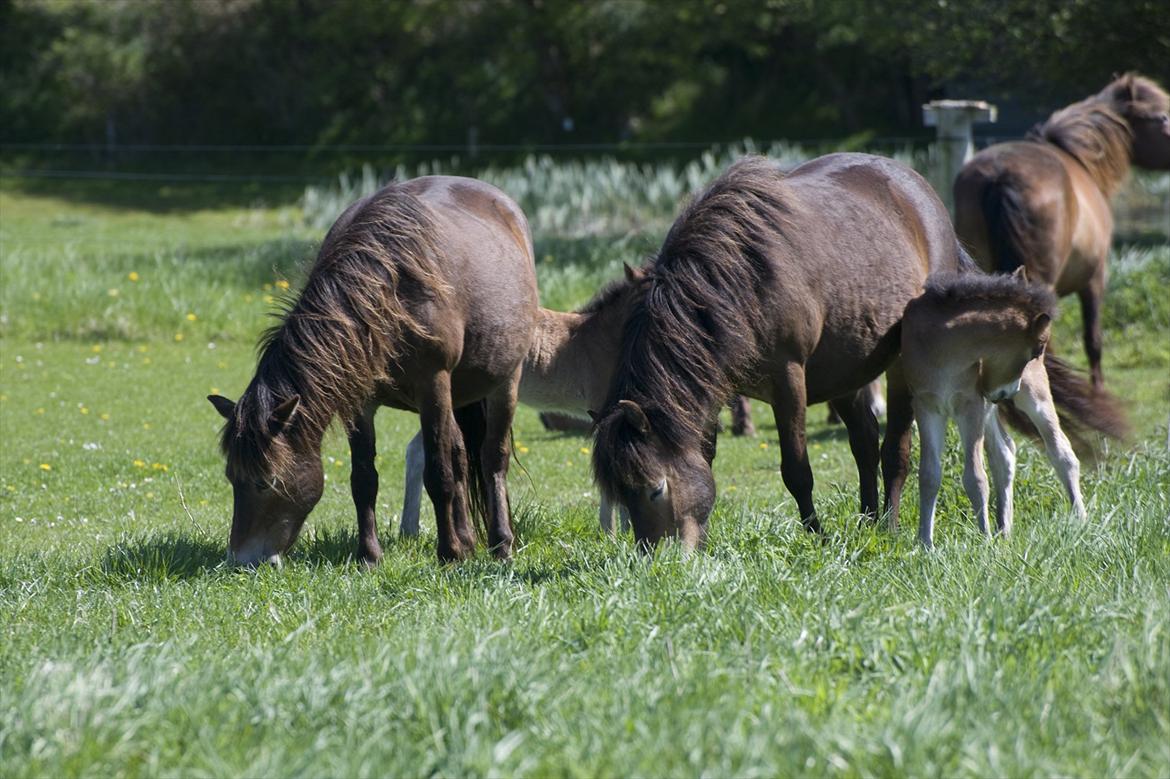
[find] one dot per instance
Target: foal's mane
(338, 338)
(964, 290)
(694, 333)
(1096, 131)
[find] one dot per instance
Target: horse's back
(1016, 204)
(871, 231)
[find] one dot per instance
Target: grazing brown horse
(1044, 202)
(423, 298)
(789, 288)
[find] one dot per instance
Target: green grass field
(129, 648)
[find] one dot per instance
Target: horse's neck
(569, 364)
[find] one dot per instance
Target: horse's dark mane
(965, 289)
(694, 334)
(1096, 131)
(337, 340)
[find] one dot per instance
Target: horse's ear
(633, 275)
(635, 416)
(283, 413)
(1020, 273)
(224, 406)
(1040, 324)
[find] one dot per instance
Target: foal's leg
(896, 446)
(857, 414)
(788, 407)
(932, 431)
(1001, 456)
(1091, 317)
(495, 456)
(971, 415)
(363, 484)
(1035, 400)
(442, 441)
(741, 417)
(412, 486)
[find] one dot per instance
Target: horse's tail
(1085, 412)
(1007, 224)
(472, 421)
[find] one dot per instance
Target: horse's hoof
(455, 553)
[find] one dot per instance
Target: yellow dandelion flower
(178, 337)
(105, 417)
(39, 411)
(142, 348)
(133, 275)
(338, 464)
(83, 410)
(267, 287)
(763, 444)
(146, 361)
(214, 390)
(282, 284)
(145, 425)
(46, 467)
(249, 298)
(97, 348)
(221, 364)
(113, 292)
(3, 397)
(191, 317)
(139, 463)
(36, 296)
(584, 450)
(269, 299)
(522, 449)
(150, 494)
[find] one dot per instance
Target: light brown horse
(1044, 202)
(423, 297)
(791, 289)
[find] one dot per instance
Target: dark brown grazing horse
(1044, 202)
(423, 297)
(789, 288)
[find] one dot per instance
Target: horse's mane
(965, 289)
(1096, 131)
(694, 333)
(337, 340)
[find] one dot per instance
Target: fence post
(955, 143)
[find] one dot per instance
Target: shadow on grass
(161, 558)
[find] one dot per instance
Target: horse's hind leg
(1091, 318)
(494, 457)
(896, 445)
(971, 416)
(788, 408)
(857, 414)
(363, 484)
(1035, 400)
(412, 486)
(442, 475)
(1001, 456)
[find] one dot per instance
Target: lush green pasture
(129, 649)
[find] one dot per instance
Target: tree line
(319, 72)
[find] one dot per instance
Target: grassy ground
(129, 649)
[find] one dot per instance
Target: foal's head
(667, 487)
(276, 480)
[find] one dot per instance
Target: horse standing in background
(1043, 203)
(423, 298)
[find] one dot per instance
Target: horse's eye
(659, 491)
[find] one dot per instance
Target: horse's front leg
(363, 483)
(412, 486)
(1001, 456)
(972, 414)
(445, 472)
(789, 401)
(856, 411)
(932, 431)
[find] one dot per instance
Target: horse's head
(275, 482)
(1146, 108)
(668, 490)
